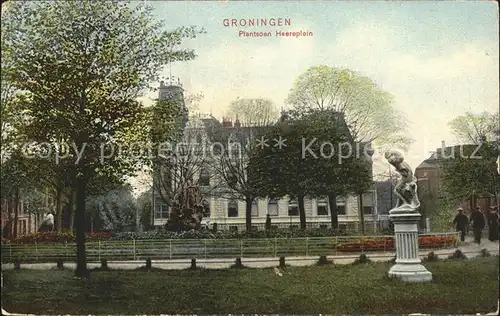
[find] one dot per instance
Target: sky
(438, 59)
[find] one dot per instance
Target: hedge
(55, 237)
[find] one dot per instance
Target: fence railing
(196, 248)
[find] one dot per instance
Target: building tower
(171, 90)
(168, 90)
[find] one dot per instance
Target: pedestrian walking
(47, 224)
(493, 224)
(478, 223)
(461, 221)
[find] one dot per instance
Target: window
(199, 139)
(232, 179)
(255, 209)
(182, 150)
(161, 210)
(232, 208)
(272, 207)
(368, 199)
(293, 208)
(198, 149)
(367, 210)
(206, 208)
(233, 228)
(341, 208)
(204, 178)
(216, 149)
(234, 150)
(322, 207)
(164, 96)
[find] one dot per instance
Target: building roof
(440, 153)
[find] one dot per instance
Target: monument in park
(405, 217)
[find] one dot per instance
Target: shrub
(484, 253)
(55, 237)
(60, 264)
(237, 264)
(387, 243)
(431, 256)
(362, 259)
(393, 260)
(458, 254)
(323, 261)
(104, 264)
(148, 263)
(282, 262)
(193, 264)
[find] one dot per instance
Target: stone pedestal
(408, 265)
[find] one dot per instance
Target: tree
(235, 176)
(473, 128)
(117, 209)
(470, 171)
(318, 159)
(80, 66)
(15, 173)
(181, 176)
(368, 110)
(280, 169)
(253, 112)
(145, 205)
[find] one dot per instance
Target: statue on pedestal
(406, 188)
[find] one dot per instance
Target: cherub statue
(406, 188)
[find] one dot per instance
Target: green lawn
(459, 287)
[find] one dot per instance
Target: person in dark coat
(478, 223)
(493, 224)
(461, 221)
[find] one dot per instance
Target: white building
(229, 213)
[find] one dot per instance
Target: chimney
(226, 122)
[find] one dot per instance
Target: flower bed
(54, 237)
(374, 244)
(161, 234)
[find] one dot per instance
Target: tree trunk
(248, 214)
(8, 225)
(81, 256)
(59, 208)
(81, 196)
(16, 213)
(71, 208)
(361, 214)
(334, 217)
(302, 212)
